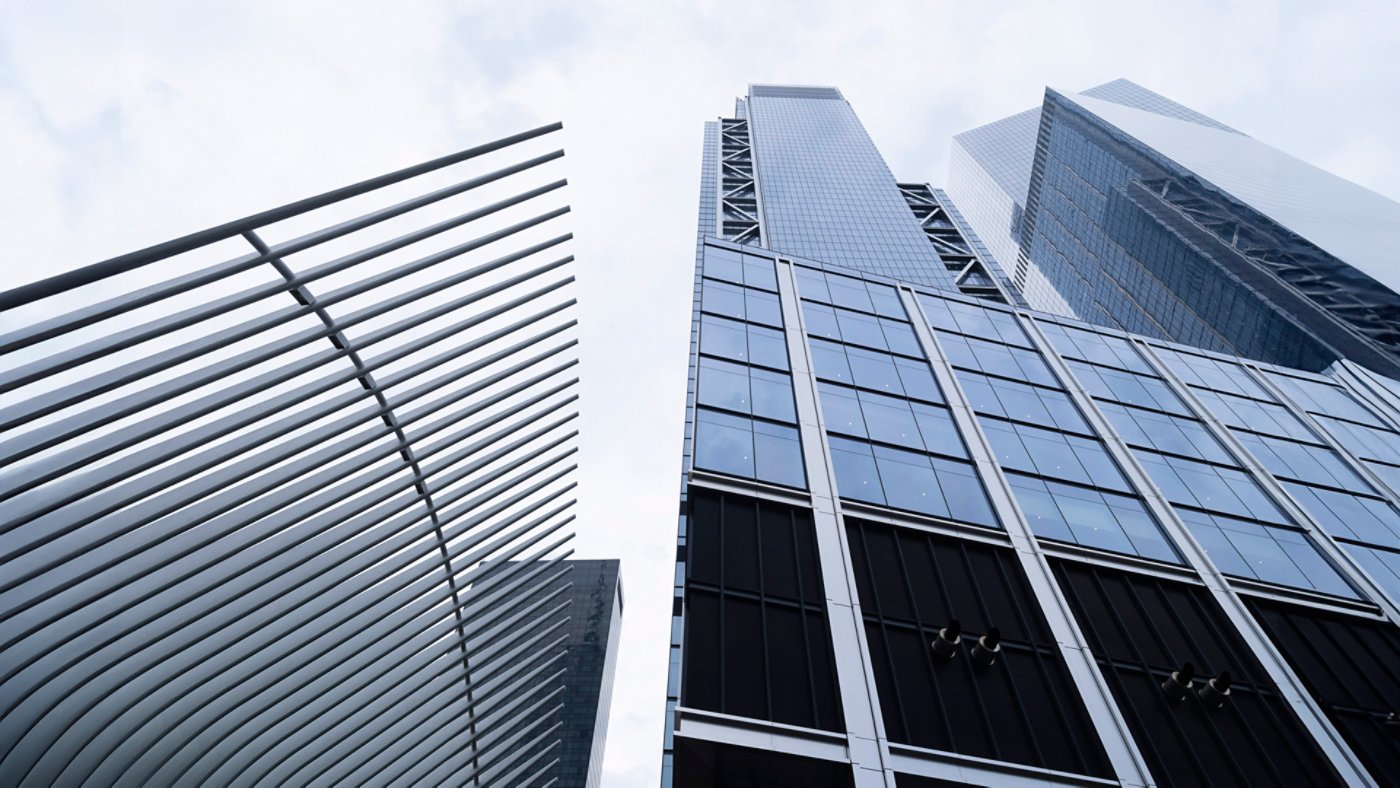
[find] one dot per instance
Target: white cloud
(126, 123)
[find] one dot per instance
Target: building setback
(1128, 210)
(927, 538)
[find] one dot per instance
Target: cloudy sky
(123, 123)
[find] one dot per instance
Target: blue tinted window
(740, 446)
(724, 385)
(1021, 402)
(937, 429)
(829, 359)
(901, 338)
(889, 420)
(1092, 346)
(1349, 516)
(996, 359)
(722, 299)
(848, 292)
(1164, 432)
(874, 370)
(841, 410)
(723, 264)
(1104, 521)
(767, 347)
(856, 476)
(758, 272)
(1213, 374)
(724, 338)
(1251, 414)
(1127, 388)
(820, 321)
(1319, 397)
(772, 395)
(763, 308)
(1371, 442)
(778, 455)
(1273, 555)
(723, 443)
(1382, 565)
(1049, 453)
(909, 480)
(917, 380)
(1303, 462)
(1209, 487)
(811, 283)
(861, 329)
(746, 390)
(989, 324)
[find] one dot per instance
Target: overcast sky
(123, 123)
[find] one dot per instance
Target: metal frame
(295, 573)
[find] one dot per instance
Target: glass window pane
(937, 430)
(889, 420)
(820, 321)
(830, 361)
(772, 395)
(900, 338)
(962, 490)
(849, 293)
(722, 299)
(856, 476)
(886, 301)
(724, 385)
(909, 482)
(811, 283)
(917, 379)
(841, 410)
(723, 264)
(720, 337)
(763, 308)
(874, 370)
(723, 443)
(778, 455)
(758, 272)
(767, 347)
(861, 329)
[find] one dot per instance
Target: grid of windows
(1061, 474)
(745, 419)
(892, 441)
(1314, 475)
(1243, 531)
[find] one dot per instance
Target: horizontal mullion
(129, 337)
(102, 383)
(133, 260)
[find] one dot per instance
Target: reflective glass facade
(995, 536)
(826, 192)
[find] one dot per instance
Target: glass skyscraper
(930, 538)
(1128, 210)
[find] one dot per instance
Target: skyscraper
(1131, 211)
(927, 538)
(583, 681)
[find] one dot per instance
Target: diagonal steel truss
(972, 276)
(738, 194)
